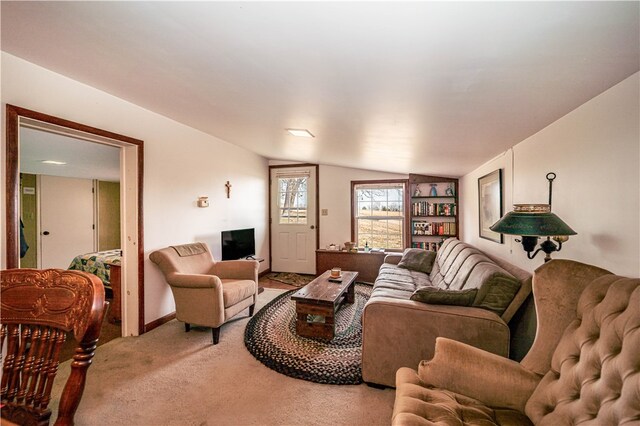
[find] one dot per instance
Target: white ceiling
(429, 87)
(87, 160)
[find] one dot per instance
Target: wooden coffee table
(318, 301)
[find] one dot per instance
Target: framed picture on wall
(490, 204)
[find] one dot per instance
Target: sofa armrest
(236, 269)
(393, 258)
(494, 380)
(401, 333)
(177, 279)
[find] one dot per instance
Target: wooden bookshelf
(433, 217)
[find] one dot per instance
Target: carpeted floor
(169, 377)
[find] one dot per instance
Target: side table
(366, 264)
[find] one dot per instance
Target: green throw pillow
(418, 260)
(500, 293)
(440, 296)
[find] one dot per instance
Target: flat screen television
(238, 244)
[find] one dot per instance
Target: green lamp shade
(534, 220)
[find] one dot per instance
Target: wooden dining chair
(38, 309)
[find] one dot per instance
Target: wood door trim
(12, 189)
(281, 166)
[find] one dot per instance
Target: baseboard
(265, 272)
(157, 323)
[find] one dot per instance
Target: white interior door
(293, 219)
(66, 220)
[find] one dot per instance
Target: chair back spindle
(38, 309)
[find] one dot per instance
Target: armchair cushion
(235, 291)
(418, 260)
(440, 296)
(494, 380)
(189, 249)
(417, 404)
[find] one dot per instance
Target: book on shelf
(425, 208)
(419, 228)
(433, 246)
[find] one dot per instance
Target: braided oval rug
(271, 337)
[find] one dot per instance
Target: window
(292, 199)
(378, 214)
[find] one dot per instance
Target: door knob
(45, 233)
(312, 227)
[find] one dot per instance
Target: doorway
(293, 213)
(131, 177)
(65, 219)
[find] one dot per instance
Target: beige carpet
(169, 377)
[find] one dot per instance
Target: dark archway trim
(12, 190)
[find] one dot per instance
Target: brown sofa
(583, 368)
(399, 332)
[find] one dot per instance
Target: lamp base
(529, 244)
(548, 247)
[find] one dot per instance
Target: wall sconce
(203, 201)
(532, 221)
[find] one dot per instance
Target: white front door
(66, 220)
(293, 219)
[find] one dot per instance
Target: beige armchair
(583, 367)
(206, 292)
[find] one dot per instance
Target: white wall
(335, 196)
(180, 164)
(595, 152)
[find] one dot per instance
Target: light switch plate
(324, 212)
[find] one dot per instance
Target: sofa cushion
(391, 276)
(393, 293)
(459, 266)
(418, 260)
(439, 296)
(456, 271)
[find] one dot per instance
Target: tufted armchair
(206, 292)
(587, 374)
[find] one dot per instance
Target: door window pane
(292, 200)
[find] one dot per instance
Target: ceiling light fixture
(302, 133)
(57, 163)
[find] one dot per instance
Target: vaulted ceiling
(426, 87)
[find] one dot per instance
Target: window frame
(405, 198)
